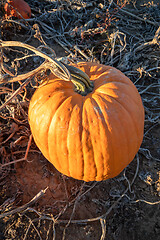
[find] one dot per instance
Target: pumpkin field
(80, 120)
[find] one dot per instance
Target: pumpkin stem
(80, 79)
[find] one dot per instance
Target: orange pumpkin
(20, 5)
(92, 137)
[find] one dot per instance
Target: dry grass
(110, 32)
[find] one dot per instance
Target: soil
(127, 207)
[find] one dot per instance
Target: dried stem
(58, 68)
(25, 206)
(15, 93)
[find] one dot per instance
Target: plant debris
(36, 201)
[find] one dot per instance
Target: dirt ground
(38, 202)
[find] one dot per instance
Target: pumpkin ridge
(131, 88)
(90, 71)
(48, 99)
(50, 159)
(109, 134)
(75, 105)
(109, 77)
(50, 124)
(82, 133)
(123, 163)
(43, 105)
(114, 82)
(59, 109)
(99, 117)
(125, 83)
(128, 83)
(99, 76)
(45, 101)
(69, 165)
(101, 91)
(129, 114)
(85, 112)
(124, 132)
(133, 100)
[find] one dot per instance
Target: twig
(155, 125)
(18, 23)
(147, 202)
(110, 4)
(80, 51)
(64, 74)
(73, 211)
(30, 74)
(135, 16)
(32, 223)
(153, 85)
(25, 206)
(9, 163)
(103, 226)
(14, 129)
(21, 159)
(15, 93)
(147, 154)
(154, 41)
(51, 31)
(28, 147)
(26, 233)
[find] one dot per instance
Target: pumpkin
(18, 6)
(90, 135)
